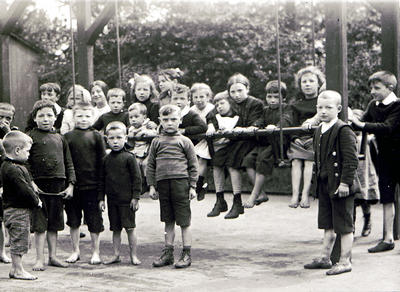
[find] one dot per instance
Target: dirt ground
(263, 250)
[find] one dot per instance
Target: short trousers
(17, 221)
(261, 159)
(174, 201)
(86, 201)
(388, 178)
(302, 150)
(120, 216)
(336, 214)
(51, 216)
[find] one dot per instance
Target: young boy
(121, 181)
(260, 161)
(52, 169)
(87, 151)
(382, 118)
(336, 163)
(116, 101)
(19, 199)
(49, 92)
(172, 175)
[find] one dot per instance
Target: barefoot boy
(19, 199)
(335, 167)
(172, 176)
(122, 182)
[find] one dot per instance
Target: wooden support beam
(10, 17)
(336, 67)
(93, 32)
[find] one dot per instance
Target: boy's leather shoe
(339, 268)
(319, 263)
(381, 246)
(201, 192)
(166, 258)
(220, 206)
(185, 260)
(367, 225)
(237, 208)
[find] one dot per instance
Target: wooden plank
(10, 17)
(93, 32)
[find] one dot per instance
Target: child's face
(223, 107)
(165, 101)
(379, 91)
(200, 98)
(309, 85)
(116, 139)
(49, 95)
(98, 96)
(22, 153)
(180, 99)
(6, 118)
(170, 123)
(164, 83)
(116, 103)
(328, 109)
(78, 98)
(142, 91)
(272, 100)
(136, 119)
(45, 118)
(238, 92)
(83, 118)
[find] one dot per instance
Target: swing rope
(72, 49)
(312, 32)
(118, 44)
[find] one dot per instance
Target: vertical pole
(118, 44)
(390, 61)
(336, 67)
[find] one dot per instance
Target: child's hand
(134, 205)
(40, 204)
(5, 126)
(343, 190)
(357, 122)
(153, 193)
(210, 132)
(192, 193)
(69, 192)
(102, 206)
(1, 192)
(36, 189)
(270, 127)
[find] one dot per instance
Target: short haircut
(172, 74)
(115, 125)
(168, 109)
(331, 94)
(181, 88)
(43, 104)
(385, 77)
(101, 84)
(14, 139)
(313, 70)
(201, 86)
(273, 87)
(51, 86)
(116, 92)
(5, 106)
(147, 80)
(83, 106)
(238, 78)
(221, 95)
(139, 107)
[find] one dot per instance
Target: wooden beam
(93, 32)
(10, 17)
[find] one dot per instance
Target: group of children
(72, 158)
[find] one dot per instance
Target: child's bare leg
(261, 195)
(346, 244)
(169, 233)
(3, 257)
(74, 232)
(52, 244)
(258, 184)
(39, 244)
(307, 176)
(329, 241)
(18, 271)
(116, 247)
(296, 179)
(132, 239)
(6, 237)
(95, 238)
(202, 167)
(186, 236)
(388, 219)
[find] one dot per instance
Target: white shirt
(325, 126)
(388, 99)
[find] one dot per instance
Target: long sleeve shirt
(106, 118)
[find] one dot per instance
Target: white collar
(326, 126)
(58, 108)
(185, 111)
(388, 99)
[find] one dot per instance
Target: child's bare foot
(55, 262)
(5, 259)
(294, 203)
(135, 261)
(262, 198)
(114, 260)
(95, 260)
(250, 202)
(39, 266)
(73, 258)
(23, 275)
(305, 203)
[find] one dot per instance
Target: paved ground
(263, 250)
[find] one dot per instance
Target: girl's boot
(220, 206)
(237, 207)
(367, 225)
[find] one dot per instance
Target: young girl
(81, 95)
(167, 78)
(99, 89)
(309, 80)
(201, 95)
(145, 92)
(249, 110)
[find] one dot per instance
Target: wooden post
(336, 66)
(391, 62)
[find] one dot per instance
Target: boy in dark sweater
(121, 180)
(382, 118)
(336, 162)
(19, 199)
(172, 176)
(51, 166)
(116, 101)
(87, 151)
